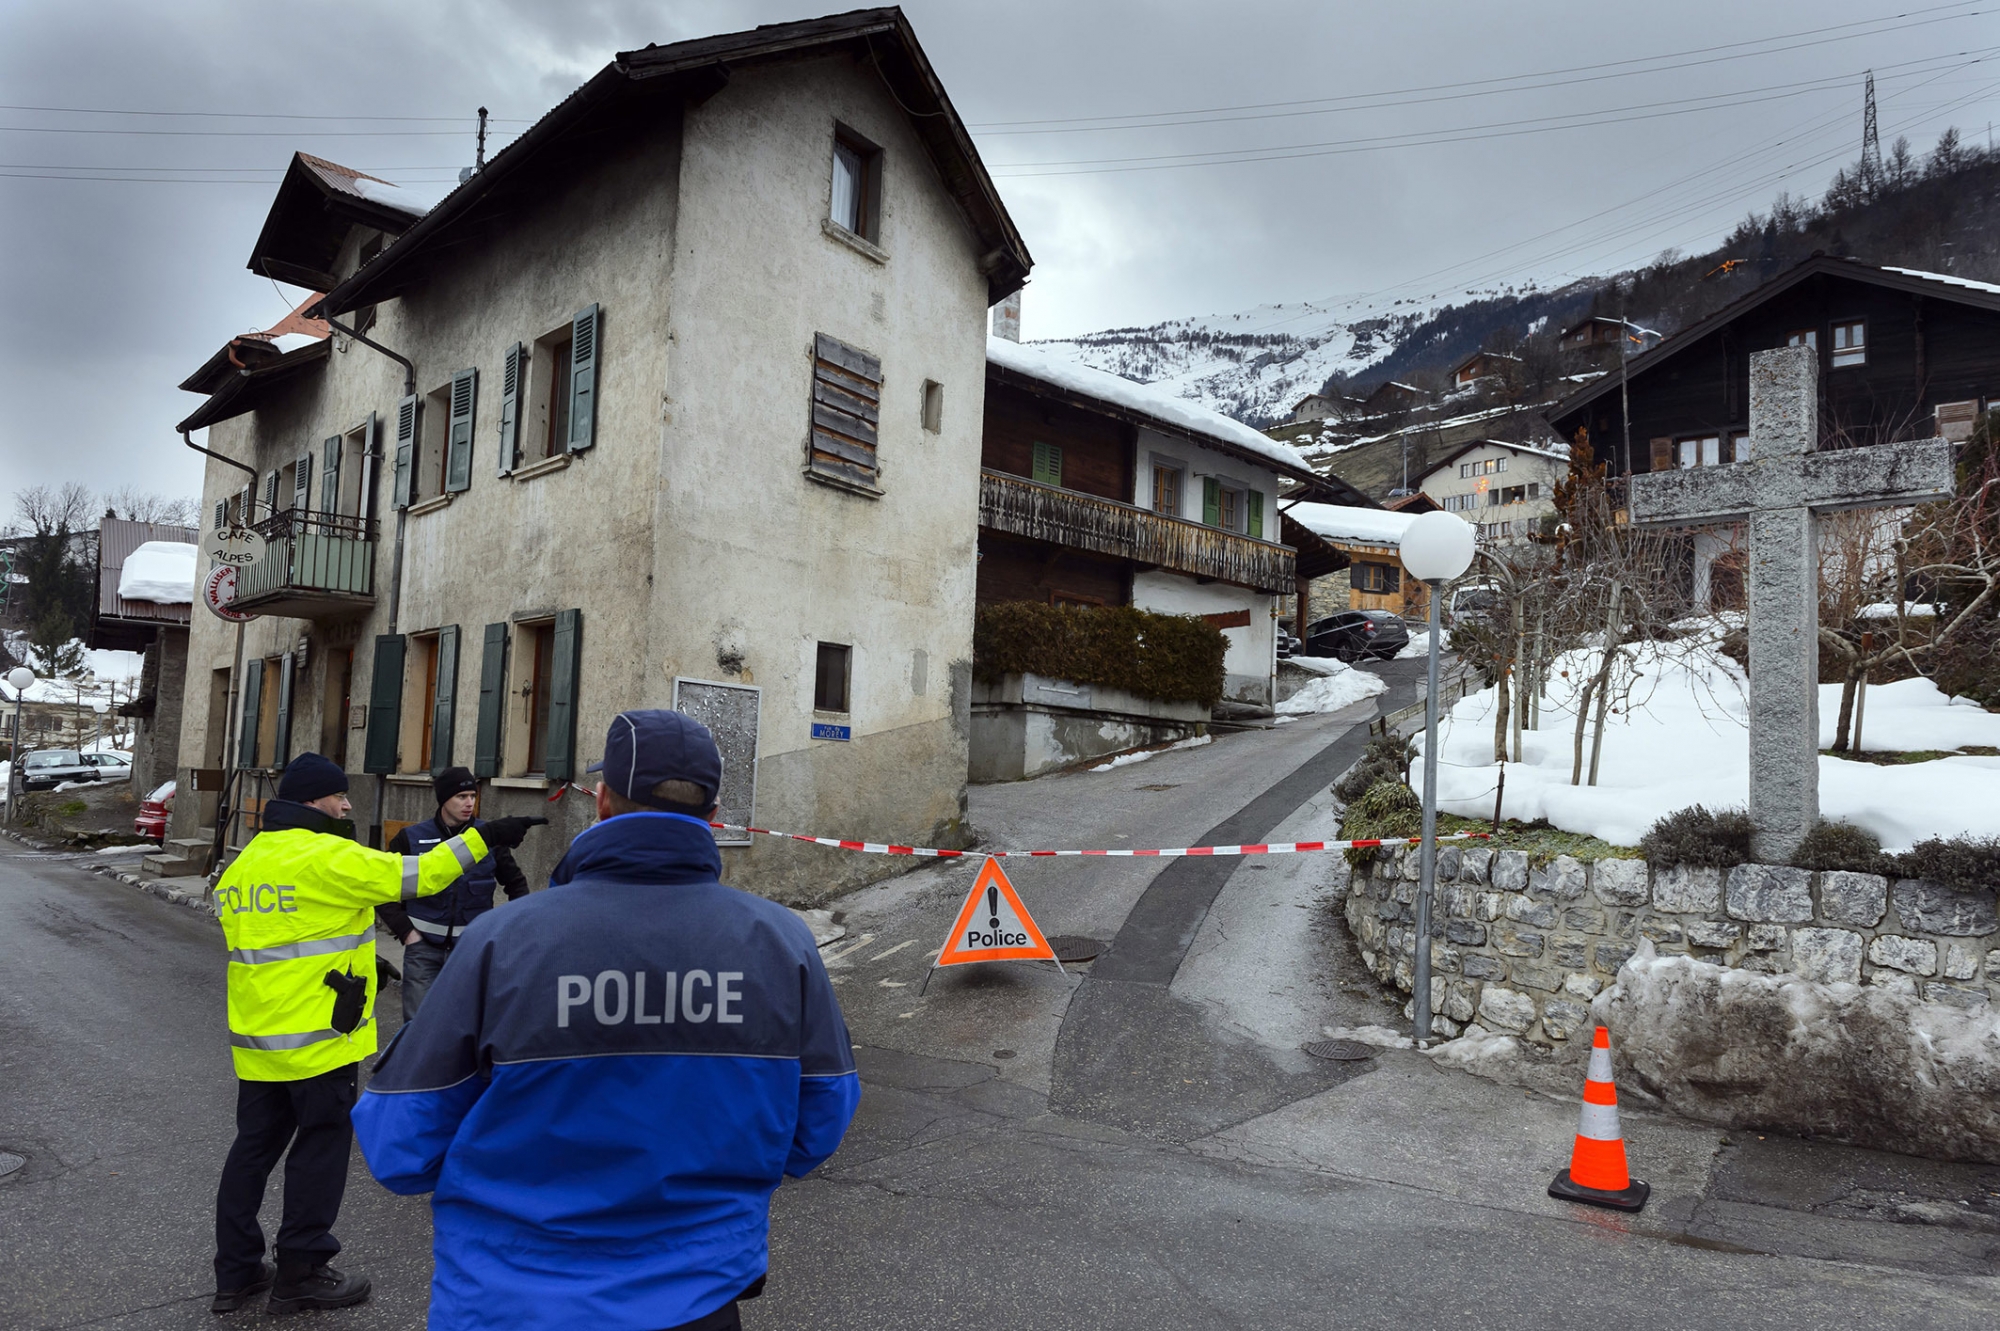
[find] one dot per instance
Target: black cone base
(1632, 1198)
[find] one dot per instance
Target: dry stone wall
(1522, 949)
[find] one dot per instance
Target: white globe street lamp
(21, 678)
(1436, 548)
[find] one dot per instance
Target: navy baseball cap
(644, 748)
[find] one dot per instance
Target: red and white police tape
(1263, 848)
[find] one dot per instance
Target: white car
(110, 765)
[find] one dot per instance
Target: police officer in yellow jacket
(297, 910)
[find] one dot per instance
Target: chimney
(1007, 318)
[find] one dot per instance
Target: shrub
(1839, 846)
(1387, 758)
(1173, 658)
(1386, 809)
(1961, 861)
(1700, 839)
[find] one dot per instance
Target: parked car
(154, 811)
(111, 765)
(45, 769)
(1287, 644)
(1474, 603)
(1355, 635)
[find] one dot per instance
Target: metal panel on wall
(730, 711)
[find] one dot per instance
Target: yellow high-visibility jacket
(295, 905)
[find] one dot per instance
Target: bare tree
(136, 505)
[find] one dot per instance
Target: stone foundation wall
(1523, 949)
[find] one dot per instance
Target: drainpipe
(225, 807)
(402, 515)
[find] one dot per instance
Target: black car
(45, 769)
(1357, 635)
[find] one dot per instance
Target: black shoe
(229, 1300)
(320, 1288)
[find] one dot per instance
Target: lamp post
(19, 678)
(1436, 548)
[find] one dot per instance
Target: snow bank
(162, 572)
(1857, 1063)
(1331, 692)
(1141, 755)
(1419, 645)
(1684, 739)
(1887, 610)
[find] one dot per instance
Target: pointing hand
(509, 832)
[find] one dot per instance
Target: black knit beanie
(453, 781)
(311, 777)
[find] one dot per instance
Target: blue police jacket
(445, 914)
(604, 1087)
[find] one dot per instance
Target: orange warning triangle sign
(993, 925)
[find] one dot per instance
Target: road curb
(198, 902)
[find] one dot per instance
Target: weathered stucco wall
(1251, 659)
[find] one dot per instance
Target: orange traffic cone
(1597, 1173)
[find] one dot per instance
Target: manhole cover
(9, 1162)
(1345, 1051)
(1076, 948)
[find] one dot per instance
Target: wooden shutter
(444, 713)
(221, 514)
(385, 704)
(583, 360)
(245, 515)
(253, 708)
(512, 367)
(302, 479)
(406, 453)
(1047, 464)
(1663, 455)
(1255, 500)
(492, 701)
(329, 480)
(846, 410)
(559, 753)
(271, 494)
(1211, 501)
(283, 741)
(458, 439)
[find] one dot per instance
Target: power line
(248, 115)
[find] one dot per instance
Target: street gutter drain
(9, 1162)
(1076, 948)
(1345, 1051)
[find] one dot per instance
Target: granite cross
(1780, 491)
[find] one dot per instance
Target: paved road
(1138, 1145)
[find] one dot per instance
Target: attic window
(857, 184)
(1850, 343)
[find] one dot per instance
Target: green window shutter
(511, 370)
(271, 494)
(583, 359)
(492, 701)
(406, 452)
(1255, 500)
(1047, 465)
(253, 704)
(283, 742)
(458, 459)
(559, 753)
(221, 514)
(329, 478)
(1211, 501)
(444, 714)
(385, 704)
(302, 479)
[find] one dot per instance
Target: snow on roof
(402, 198)
(1340, 522)
(1948, 280)
(1175, 412)
(162, 572)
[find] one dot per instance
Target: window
(553, 363)
(846, 406)
(857, 184)
(1046, 465)
(544, 669)
(830, 677)
(334, 704)
(1167, 489)
(933, 406)
(555, 411)
(1229, 516)
(1464, 470)
(540, 656)
(1534, 489)
(1703, 451)
(1499, 464)
(1739, 446)
(434, 425)
(1460, 503)
(1382, 578)
(420, 682)
(1804, 337)
(1850, 343)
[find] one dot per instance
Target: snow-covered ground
(1331, 690)
(1685, 740)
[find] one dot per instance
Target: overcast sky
(1381, 151)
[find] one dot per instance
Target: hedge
(1174, 658)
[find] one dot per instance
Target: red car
(154, 810)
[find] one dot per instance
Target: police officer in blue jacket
(607, 1083)
(429, 927)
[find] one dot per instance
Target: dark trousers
(309, 1117)
(422, 960)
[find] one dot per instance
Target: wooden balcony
(315, 566)
(1021, 507)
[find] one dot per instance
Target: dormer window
(857, 185)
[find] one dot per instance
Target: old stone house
(675, 401)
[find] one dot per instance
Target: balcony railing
(1021, 507)
(315, 565)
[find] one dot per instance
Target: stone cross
(1781, 490)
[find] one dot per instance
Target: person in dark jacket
(610, 1079)
(430, 927)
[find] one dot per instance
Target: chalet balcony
(315, 566)
(1021, 507)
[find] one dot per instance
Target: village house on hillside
(1506, 490)
(676, 401)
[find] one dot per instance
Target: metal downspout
(225, 812)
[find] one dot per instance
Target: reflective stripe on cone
(1598, 1173)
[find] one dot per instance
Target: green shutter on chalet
(1047, 464)
(1211, 501)
(444, 713)
(513, 366)
(458, 437)
(282, 742)
(1255, 500)
(559, 752)
(406, 451)
(583, 359)
(385, 704)
(271, 494)
(253, 706)
(492, 701)
(302, 479)
(329, 479)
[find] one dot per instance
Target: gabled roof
(238, 392)
(1478, 356)
(1955, 289)
(634, 87)
(256, 349)
(1439, 464)
(317, 203)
